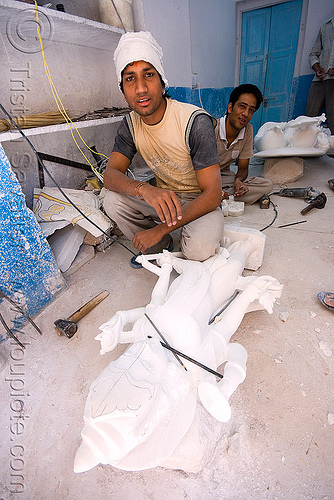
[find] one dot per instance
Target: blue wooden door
(269, 42)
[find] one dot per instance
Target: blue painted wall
(214, 101)
(300, 89)
(28, 272)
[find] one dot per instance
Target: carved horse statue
(142, 405)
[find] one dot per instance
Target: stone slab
(283, 170)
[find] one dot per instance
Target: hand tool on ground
(69, 326)
(293, 223)
(20, 310)
(9, 331)
(318, 202)
(307, 193)
(17, 308)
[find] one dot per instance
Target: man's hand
(319, 71)
(143, 240)
(331, 71)
(240, 189)
(164, 201)
(209, 182)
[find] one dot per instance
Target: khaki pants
(258, 186)
(200, 239)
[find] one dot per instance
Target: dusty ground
(279, 441)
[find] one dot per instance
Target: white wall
(213, 38)
(196, 37)
(168, 21)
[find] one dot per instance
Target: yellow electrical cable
(60, 105)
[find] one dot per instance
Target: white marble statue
(303, 133)
(142, 405)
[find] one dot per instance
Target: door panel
(284, 31)
(254, 49)
(268, 52)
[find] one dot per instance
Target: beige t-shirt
(241, 147)
(164, 146)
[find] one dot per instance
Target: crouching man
(177, 142)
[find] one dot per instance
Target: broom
(32, 121)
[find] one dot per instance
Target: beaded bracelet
(136, 190)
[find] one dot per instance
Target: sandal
(327, 300)
(136, 265)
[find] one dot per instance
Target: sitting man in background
(177, 142)
(234, 137)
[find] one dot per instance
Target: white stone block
(235, 233)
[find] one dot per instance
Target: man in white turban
(177, 142)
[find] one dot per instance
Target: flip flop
(331, 184)
(327, 300)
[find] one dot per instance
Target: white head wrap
(138, 46)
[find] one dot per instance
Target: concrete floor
(279, 441)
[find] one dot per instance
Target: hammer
(317, 202)
(69, 326)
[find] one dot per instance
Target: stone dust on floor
(279, 441)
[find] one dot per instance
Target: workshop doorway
(269, 42)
